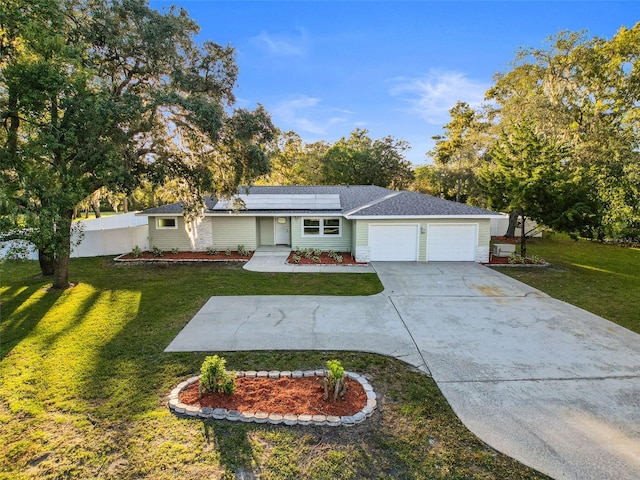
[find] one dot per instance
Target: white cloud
(283, 44)
(305, 114)
(433, 96)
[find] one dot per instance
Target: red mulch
(187, 256)
(295, 396)
(514, 240)
(325, 259)
(493, 260)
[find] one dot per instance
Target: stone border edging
(179, 408)
(522, 265)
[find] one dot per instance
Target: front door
(282, 231)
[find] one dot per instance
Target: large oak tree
(582, 92)
(97, 93)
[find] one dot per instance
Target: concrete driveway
(538, 379)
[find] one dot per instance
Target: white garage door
(452, 243)
(393, 242)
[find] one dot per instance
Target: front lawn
(85, 382)
(603, 279)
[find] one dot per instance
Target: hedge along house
(373, 223)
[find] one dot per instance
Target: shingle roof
(356, 201)
(417, 204)
(176, 208)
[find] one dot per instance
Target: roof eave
(405, 217)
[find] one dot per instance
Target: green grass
(92, 215)
(603, 279)
(85, 383)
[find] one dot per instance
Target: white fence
(499, 226)
(102, 236)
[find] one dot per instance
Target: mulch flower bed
(493, 260)
(294, 396)
(325, 259)
(186, 256)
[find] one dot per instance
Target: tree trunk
(61, 261)
(513, 223)
(14, 123)
(46, 263)
(61, 272)
(125, 205)
(95, 206)
(523, 238)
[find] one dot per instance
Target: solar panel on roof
(258, 201)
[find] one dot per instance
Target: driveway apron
(545, 382)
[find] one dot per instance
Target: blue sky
(324, 68)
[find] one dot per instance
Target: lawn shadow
(131, 374)
(232, 443)
(21, 321)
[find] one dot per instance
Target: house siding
(233, 230)
(338, 244)
(361, 234)
(169, 238)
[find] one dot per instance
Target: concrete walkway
(538, 379)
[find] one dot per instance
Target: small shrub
(316, 259)
(331, 254)
(515, 258)
(136, 252)
(537, 260)
(243, 252)
(317, 252)
(338, 258)
(227, 252)
(212, 251)
(175, 251)
(296, 259)
(214, 377)
(157, 251)
(334, 380)
(308, 253)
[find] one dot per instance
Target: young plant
(227, 252)
(136, 252)
(212, 251)
(243, 252)
(536, 260)
(214, 377)
(175, 250)
(296, 259)
(515, 258)
(334, 384)
(157, 251)
(316, 259)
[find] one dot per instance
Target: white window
(166, 222)
(321, 227)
